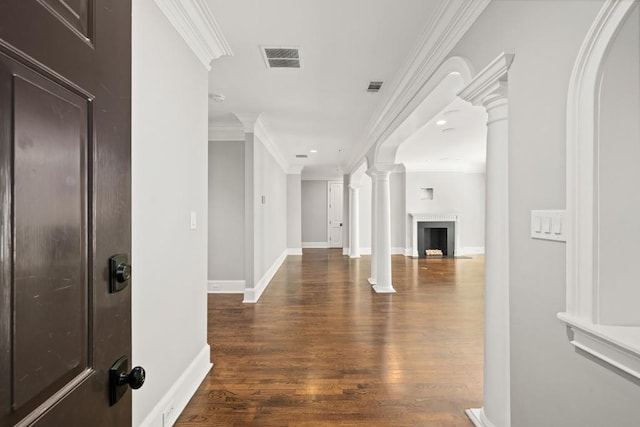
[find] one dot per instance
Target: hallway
(320, 348)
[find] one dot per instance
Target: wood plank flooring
(320, 348)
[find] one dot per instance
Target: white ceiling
(457, 145)
(344, 45)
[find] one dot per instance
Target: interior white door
(335, 214)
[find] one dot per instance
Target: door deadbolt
(119, 272)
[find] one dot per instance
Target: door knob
(119, 379)
(119, 272)
(135, 378)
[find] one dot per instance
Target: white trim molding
(315, 245)
(618, 346)
(194, 21)
(264, 136)
(294, 251)
(450, 22)
(226, 132)
(489, 82)
(478, 418)
(428, 217)
(472, 250)
(226, 286)
(252, 295)
(181, 391)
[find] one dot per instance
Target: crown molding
(264, 136)
(450, 22)
(295, 170)
(195, 23)
(447, 168)
(489, 81)
(226, 132)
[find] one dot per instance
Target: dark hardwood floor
(320, 348)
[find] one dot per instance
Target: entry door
(65, 130)
(335, 214)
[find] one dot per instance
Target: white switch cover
(194, 221)
(548, 225)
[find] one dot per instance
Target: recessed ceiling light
(313, 151)
(441, 122)
(454, 73)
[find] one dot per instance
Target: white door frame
(329, 213)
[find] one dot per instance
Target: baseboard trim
(294, 251)
(397, 251)
(252, 295)
(473, 250)
(478, 418)
(345, 251)
(315, 245)
(365, 251)
(181, 391)
(226, 286)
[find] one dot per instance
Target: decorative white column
(489, 89)
(354, 221)
(374, 231)
(380, 177)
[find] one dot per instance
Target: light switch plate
(549, 225)
(193, 221)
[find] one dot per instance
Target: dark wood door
(65, 119)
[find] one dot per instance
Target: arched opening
(603, 131)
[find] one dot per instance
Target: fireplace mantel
(431, 217)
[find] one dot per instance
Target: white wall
(314, 212)
(169, 180)
(270, 216)
(226, 210)
(294, 211)
(365, 214)
(453, 192)
(551, 383)
(398, 211)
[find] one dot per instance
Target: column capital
(489, 86)
(354, 187)
(382, 170)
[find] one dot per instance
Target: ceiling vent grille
(281, 57)
(302, 156)
(374, 87)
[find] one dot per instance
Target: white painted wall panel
(226, 210)
(169, 180)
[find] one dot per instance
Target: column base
(384, 290)
(478, 418)
(371, 281)
(354, 256)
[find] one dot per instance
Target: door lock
(119, 272)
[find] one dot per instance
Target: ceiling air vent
(374, 87)
(281, 57)
(302, 156)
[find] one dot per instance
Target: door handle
(119, 379)
(340, 224)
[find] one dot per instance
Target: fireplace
(436, 236)
(434, 220)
